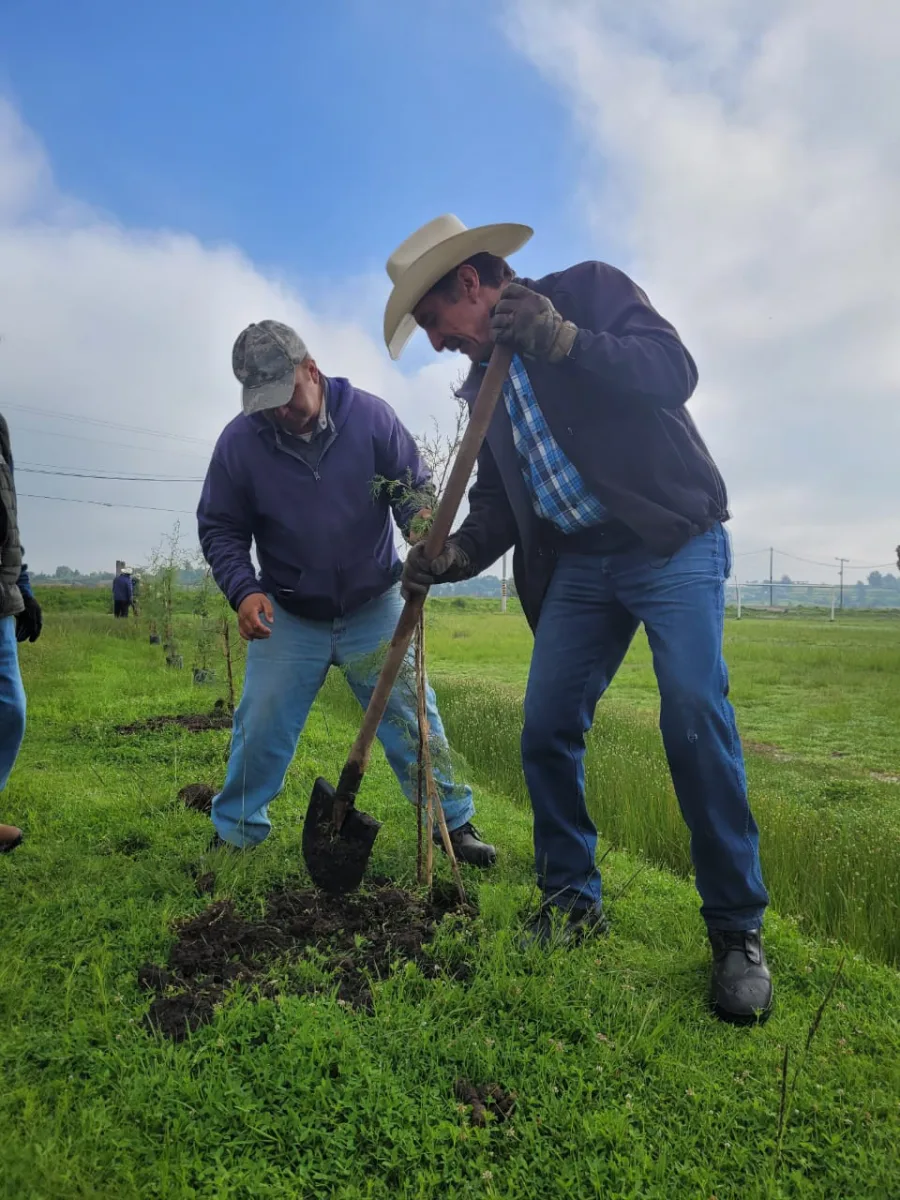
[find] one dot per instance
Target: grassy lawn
(805, 689)
(624, 1085)
(825, 787)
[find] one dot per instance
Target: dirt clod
(362, 936)
(206, 884)
(489, 1097)
(192, 722)
(198, 796)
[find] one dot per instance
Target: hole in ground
(488, 1097)
(362, 937)
(192, 722)
(198, 796)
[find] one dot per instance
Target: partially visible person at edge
(595, 473)
(294, 473)
(20, 621)
(123, 593)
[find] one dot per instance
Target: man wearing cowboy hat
(595, 473)
(294, 473)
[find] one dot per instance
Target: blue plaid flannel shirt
(557, 491)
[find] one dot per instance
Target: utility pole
(841, 601)
(503, 586)
(771, 577)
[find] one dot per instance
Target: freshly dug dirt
(362, 935)
(489, 1097)
(192, 722)
(198, 796)
(337, 862)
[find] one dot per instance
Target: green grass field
(625, 1086)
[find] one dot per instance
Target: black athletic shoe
(468, 846)
(741, 985)
(219, 843)
(553, 926)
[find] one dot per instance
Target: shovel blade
(336, 859)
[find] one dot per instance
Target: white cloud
(136, 327)
(746, 159)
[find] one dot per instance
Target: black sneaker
(741, 985)
(219, 843)
(468, 846)
(554, 926)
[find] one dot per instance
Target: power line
(66, 474)
(814, 562)
(103, 441)
(852, 566)
(81, 420)
(107, 503)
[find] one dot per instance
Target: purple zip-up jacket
(323, 532)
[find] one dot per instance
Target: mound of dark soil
(363, 937)
(198, 796)
(192, 722)
(489, 1097)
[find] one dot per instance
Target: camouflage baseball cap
(263, 359)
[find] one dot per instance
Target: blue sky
(315, 137)
(171, 171)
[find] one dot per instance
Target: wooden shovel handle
(460, 473)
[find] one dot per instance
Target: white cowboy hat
(427, 255)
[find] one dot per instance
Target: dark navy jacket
(616, 406)
(322, 527)
(123, 589)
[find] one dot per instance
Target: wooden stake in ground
(420, 754)
(434, 800)
(226, 641)
(424, 755)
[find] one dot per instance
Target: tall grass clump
(831, 861)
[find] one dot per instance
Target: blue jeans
(591, 612)
(284, 675)
(12, 700)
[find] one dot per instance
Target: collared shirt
(322, 424)
(309, 447)
(558, 493)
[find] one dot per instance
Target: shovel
(337, 836)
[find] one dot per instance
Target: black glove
(529, 323)
(450, 566)
(30, 622)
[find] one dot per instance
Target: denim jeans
(284, 675)
(591, 612)
(12, 700)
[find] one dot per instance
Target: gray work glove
(529, 323)
(419, 574)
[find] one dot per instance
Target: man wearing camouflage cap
(294, 473)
